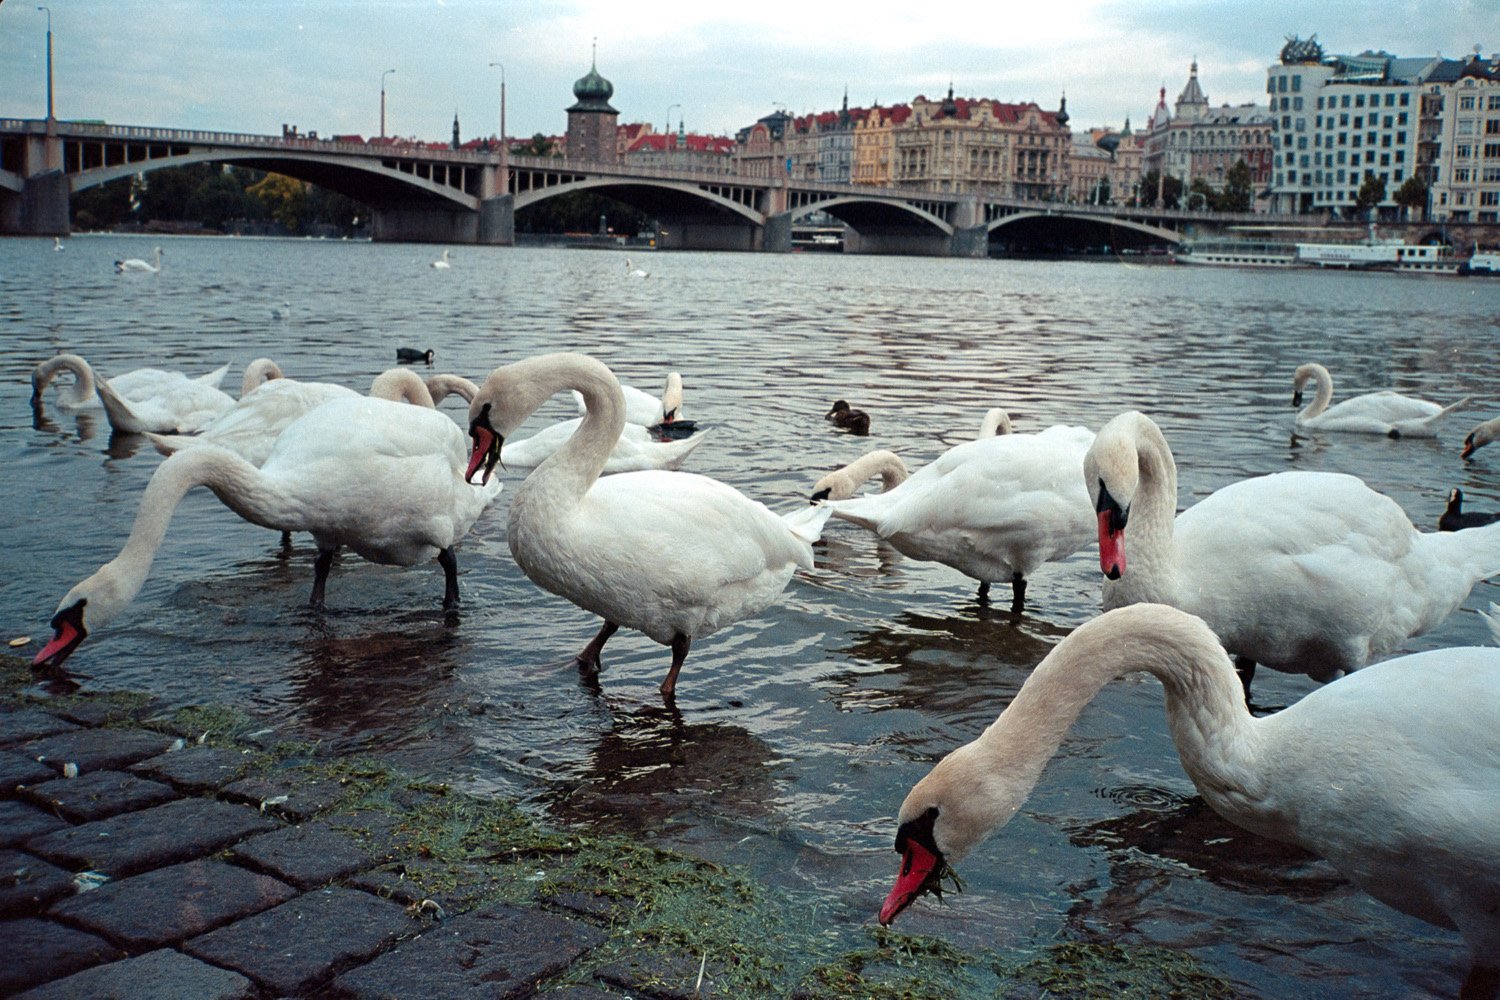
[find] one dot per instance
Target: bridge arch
(643, 193)
(337, 173)
(862, 206)
(1158, 232)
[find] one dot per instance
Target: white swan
(1387, 412)
(1481, 435)
(442, 263)
(385, 479)
(645, 409)
(258, 373)
(135, 264)
(147, 399)
(57, 243)
(841, 484)
(671, 554)
(440, 387)
(1492, 619)
(635, 451)
(996, 421)
(250, 428)
(635, 272)
(993, 509)
(1305, 572)
(1389, 774)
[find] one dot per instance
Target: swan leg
(680, 644)
(1482, 983)
(449, 562)
(984, 592)
(321, 566)
(588, 657)
(1017, 592)
(1245, 667)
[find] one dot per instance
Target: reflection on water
(800, 731)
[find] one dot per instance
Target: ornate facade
(1195, 141)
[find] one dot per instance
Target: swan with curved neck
(384, 479)
(1481, 435)
(136, 265)
(996, 422)
(1306, 572)
(841, 484)
(146, 399)
(1387, 412)
(646, 410)
(994, 509)
(258, 373)
(440, 387)
(1389, 774)
(671, 554)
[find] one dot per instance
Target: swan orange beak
(486, 446)
(920, 868)
(1468, 447)
(1111, 546)
(68, 632)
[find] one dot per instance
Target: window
(1466, 126)
(1492, 151)
(1463, 151)
(1291, 176)
(1359, 121)
(1281, 84)
(1301, 142)
(1494, 103)
(1491, 175)
(1344, 121)
(1492, 126)
(1466, 102)
(1359, 100)
(1400, 138)
(1390, 100)
(1401, 118)
(1385, 159)
(1490, 198)
(1405, 100)
(1296, 82)
(1344, 102)
(1296, 104)
(1304, 161)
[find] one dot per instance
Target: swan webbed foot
(321, 566)
(1245, 667)
(449, 562)
(680, 646)
(983, 597)
(1017, 593)
(588, 657)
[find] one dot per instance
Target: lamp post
(382, 101)
(669, 115)
(502, 101)
(49, 61)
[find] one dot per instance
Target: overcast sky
(252, 65)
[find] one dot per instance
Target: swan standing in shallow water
(671, 554)
(1387, 412)
(385, 479)
(994, 509)
(1390, 774)
(1306, 572)
(143, 400)
(138, 266)
(1481, 435)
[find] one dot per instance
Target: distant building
(592, 122)
(1195, 141)
(1342, 119)
(680, 150)
(1463, 155)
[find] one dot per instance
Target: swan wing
(252, 425)
(1373, 413)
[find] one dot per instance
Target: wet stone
(285, 798)
(463, 884)
(172, 904)
(97, 749)
(159, 975)
(39, 951)
(301, 943)
(162, 835)
(196, 770)
(102, 712)
(494, 953)
(307, 856)
(18, 725)
(22, 821)
(17, 769)
(28, 883)
(577, 993)
(592, 904)
(662, 978)
(98, 795)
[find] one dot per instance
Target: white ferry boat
(1384, 256)
(1481, 264)
(1237, 253)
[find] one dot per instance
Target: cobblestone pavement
(134, 864)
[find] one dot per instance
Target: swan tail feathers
(854, 512)
(807, 522)
(214, 377)
(1492, 618)
(682, 449)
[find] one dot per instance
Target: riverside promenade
(142, 858)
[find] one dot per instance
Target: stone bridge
(432, 193)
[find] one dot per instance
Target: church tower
(592, 122)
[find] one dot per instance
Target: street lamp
(502, 102)
(382, 101)
(669, 115)
(49, 61)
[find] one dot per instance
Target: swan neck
(83, 375)
(570, 471)
(1323, 389)
(885, 464)
(400, 385)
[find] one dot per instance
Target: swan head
(671, 399)
(959, 803)
(1112, 473)
(515, 391)
(1480, 436)
(68, 632)
(1305, 374)
(488, 441)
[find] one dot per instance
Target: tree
(537, 145)
(1371, 193)
(102, 207)
(1412, 195)
(218, 200)
(1201, 195)
(1171, 190)
(1239, 190)
(165, 194)
(285, 198)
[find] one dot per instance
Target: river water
(797, 733)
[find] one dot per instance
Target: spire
(1062, 111)
(455, 129)
(1192, 102)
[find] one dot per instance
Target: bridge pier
(777, 237)
(497, 221)
(971, 241)
(40, 209)
(712, 232)
(423, 224)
